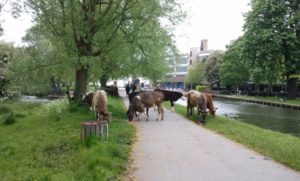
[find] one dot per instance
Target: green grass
(45, 144)
(281, 147)
(270, 99)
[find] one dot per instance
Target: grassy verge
(281, 147)
(270, 99)
(44, 143)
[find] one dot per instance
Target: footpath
(177, 149)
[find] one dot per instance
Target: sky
(218, 21)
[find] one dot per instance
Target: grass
(281, 147)
(44, 143)
(272, 99)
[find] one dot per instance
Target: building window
(181, 69)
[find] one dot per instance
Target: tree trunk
(55, 86)
(291, 82)
(81, 83)
(292, 88)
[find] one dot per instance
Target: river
(35, 99)
(268, 117)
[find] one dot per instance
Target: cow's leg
(187, 110)
(147, 117)
(158, 112)
(147, 112)
(172, 105)
(162, 112)
(97, 116)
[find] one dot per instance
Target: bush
(9, 119)
(201, 88)
(4, 109)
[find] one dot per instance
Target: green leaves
(234, 71)
(272, 38)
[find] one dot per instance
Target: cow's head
(130, 114)
(213, 113)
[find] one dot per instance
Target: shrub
(201, 88)
(4, 109)
(9, 119)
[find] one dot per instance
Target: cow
(88, 98)
(210, 104)
(192, 101)
(99, 106)
(196, 99)
(130, 97)
(146, 100)
(112, 91)
(171, 96)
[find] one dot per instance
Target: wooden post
(97, 128)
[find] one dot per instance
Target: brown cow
(193, 99)
(210, 104)
(146, 100)
(99, 106)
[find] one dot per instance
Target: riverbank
(283, 148)
(44, 143)
(259, 100)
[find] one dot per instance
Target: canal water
(268, 117)
(35, 99)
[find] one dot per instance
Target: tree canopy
(272, 39)
(101, 39)
(234, 71)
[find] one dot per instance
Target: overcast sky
(219, 21)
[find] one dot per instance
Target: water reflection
(268, 117)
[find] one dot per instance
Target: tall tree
(40, 67)
(272, 38)
(234, 71)
(195, 73)
(94, 28)
(6, 51)
(213, 65)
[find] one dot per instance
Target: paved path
(179, 150)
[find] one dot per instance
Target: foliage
(5, 58)
(195, 73)
(234, 71)
(41, 147)
(110, 39)
(9, 119)
(213, 65)
(201, 88)
(272, 39)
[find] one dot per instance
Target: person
(127, 88)
(133, 87)
(115, 84)
(142, 86)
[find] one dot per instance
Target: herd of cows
(140, 102)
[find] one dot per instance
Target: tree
(195, 73)
(212, 66)
(272, 39)
(93, 28)
(234, 71)
(6, 51)
(41, 67)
